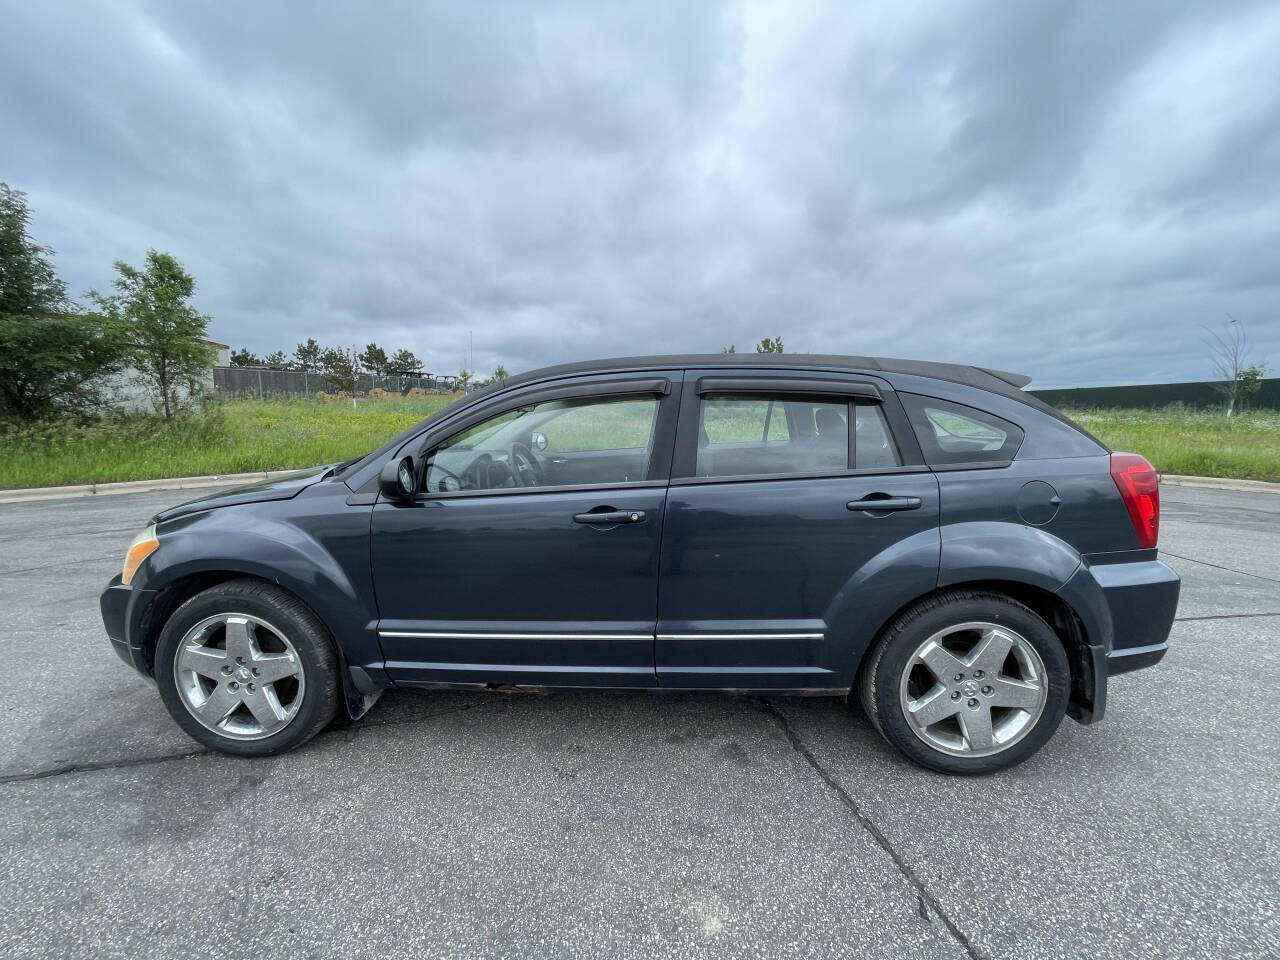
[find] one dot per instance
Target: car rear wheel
(966, 682)
(246, 668)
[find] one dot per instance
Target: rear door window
(954, 433)
(872, 442)
(760, 435)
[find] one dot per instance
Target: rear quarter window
(951, 433)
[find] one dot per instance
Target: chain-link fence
(267, 382)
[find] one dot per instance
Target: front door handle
(608, 517)
(876, 504)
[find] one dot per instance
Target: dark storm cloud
(1068, 189)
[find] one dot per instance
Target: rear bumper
(1142, 599)
(123, 611)
(1135, 658)
(1127, 611)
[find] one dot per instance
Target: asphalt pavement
(587, 825)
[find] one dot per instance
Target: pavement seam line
(923, 896)
(348, 731)
(1218, 566)
(1224, 616)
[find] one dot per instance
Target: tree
(1229, 352)
(374, 359)
(404, 361)
(29, 286)
(51, 356)
(768, 345)
(500, 372)
(277, 360)
(57, 361)
(166, 333)
(341, 368)
(307, 355)
(464, 377)
(729, 349)
(243, 358)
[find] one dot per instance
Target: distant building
(128, 390)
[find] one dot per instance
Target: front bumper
(124, 609)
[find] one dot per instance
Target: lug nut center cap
(242, 674)
(969, 688)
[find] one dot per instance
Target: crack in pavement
(77, 535)
(61, 563)
(924, 898)
(1218, 566)
(348, 731)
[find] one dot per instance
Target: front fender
(322, 558)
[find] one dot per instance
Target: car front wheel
(247, 669)
(966, 682)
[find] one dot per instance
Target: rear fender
(1013, 553)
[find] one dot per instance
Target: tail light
(1139, 487)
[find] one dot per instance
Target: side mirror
(397, 480)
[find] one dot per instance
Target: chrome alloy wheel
(239, 676)
(973, 689)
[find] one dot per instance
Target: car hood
(283, 487)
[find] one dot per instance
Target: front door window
(558, 443)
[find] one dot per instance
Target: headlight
(144, 544)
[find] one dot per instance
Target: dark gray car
(927, 538)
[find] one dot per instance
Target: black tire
(882, 670)
(321, 695)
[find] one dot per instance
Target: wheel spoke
(206, 661)
(940, 660)
(1015, 693)
(239, 641)
(990, 653)
(265, 707)
(219, 705)
(275, 666)
(977, 728)
(933, 706)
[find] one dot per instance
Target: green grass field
(246, 435)
(233, 437)
(1193, 442)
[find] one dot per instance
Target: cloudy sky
(1070, 190)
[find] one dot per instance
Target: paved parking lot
(465, 825)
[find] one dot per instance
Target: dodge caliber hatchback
(927, 538)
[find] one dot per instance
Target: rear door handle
(874, 504)
(608, 517)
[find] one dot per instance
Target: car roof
(985, 378)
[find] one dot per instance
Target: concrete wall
(128, 390)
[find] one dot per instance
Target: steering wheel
(525, 469)
(446, 480)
